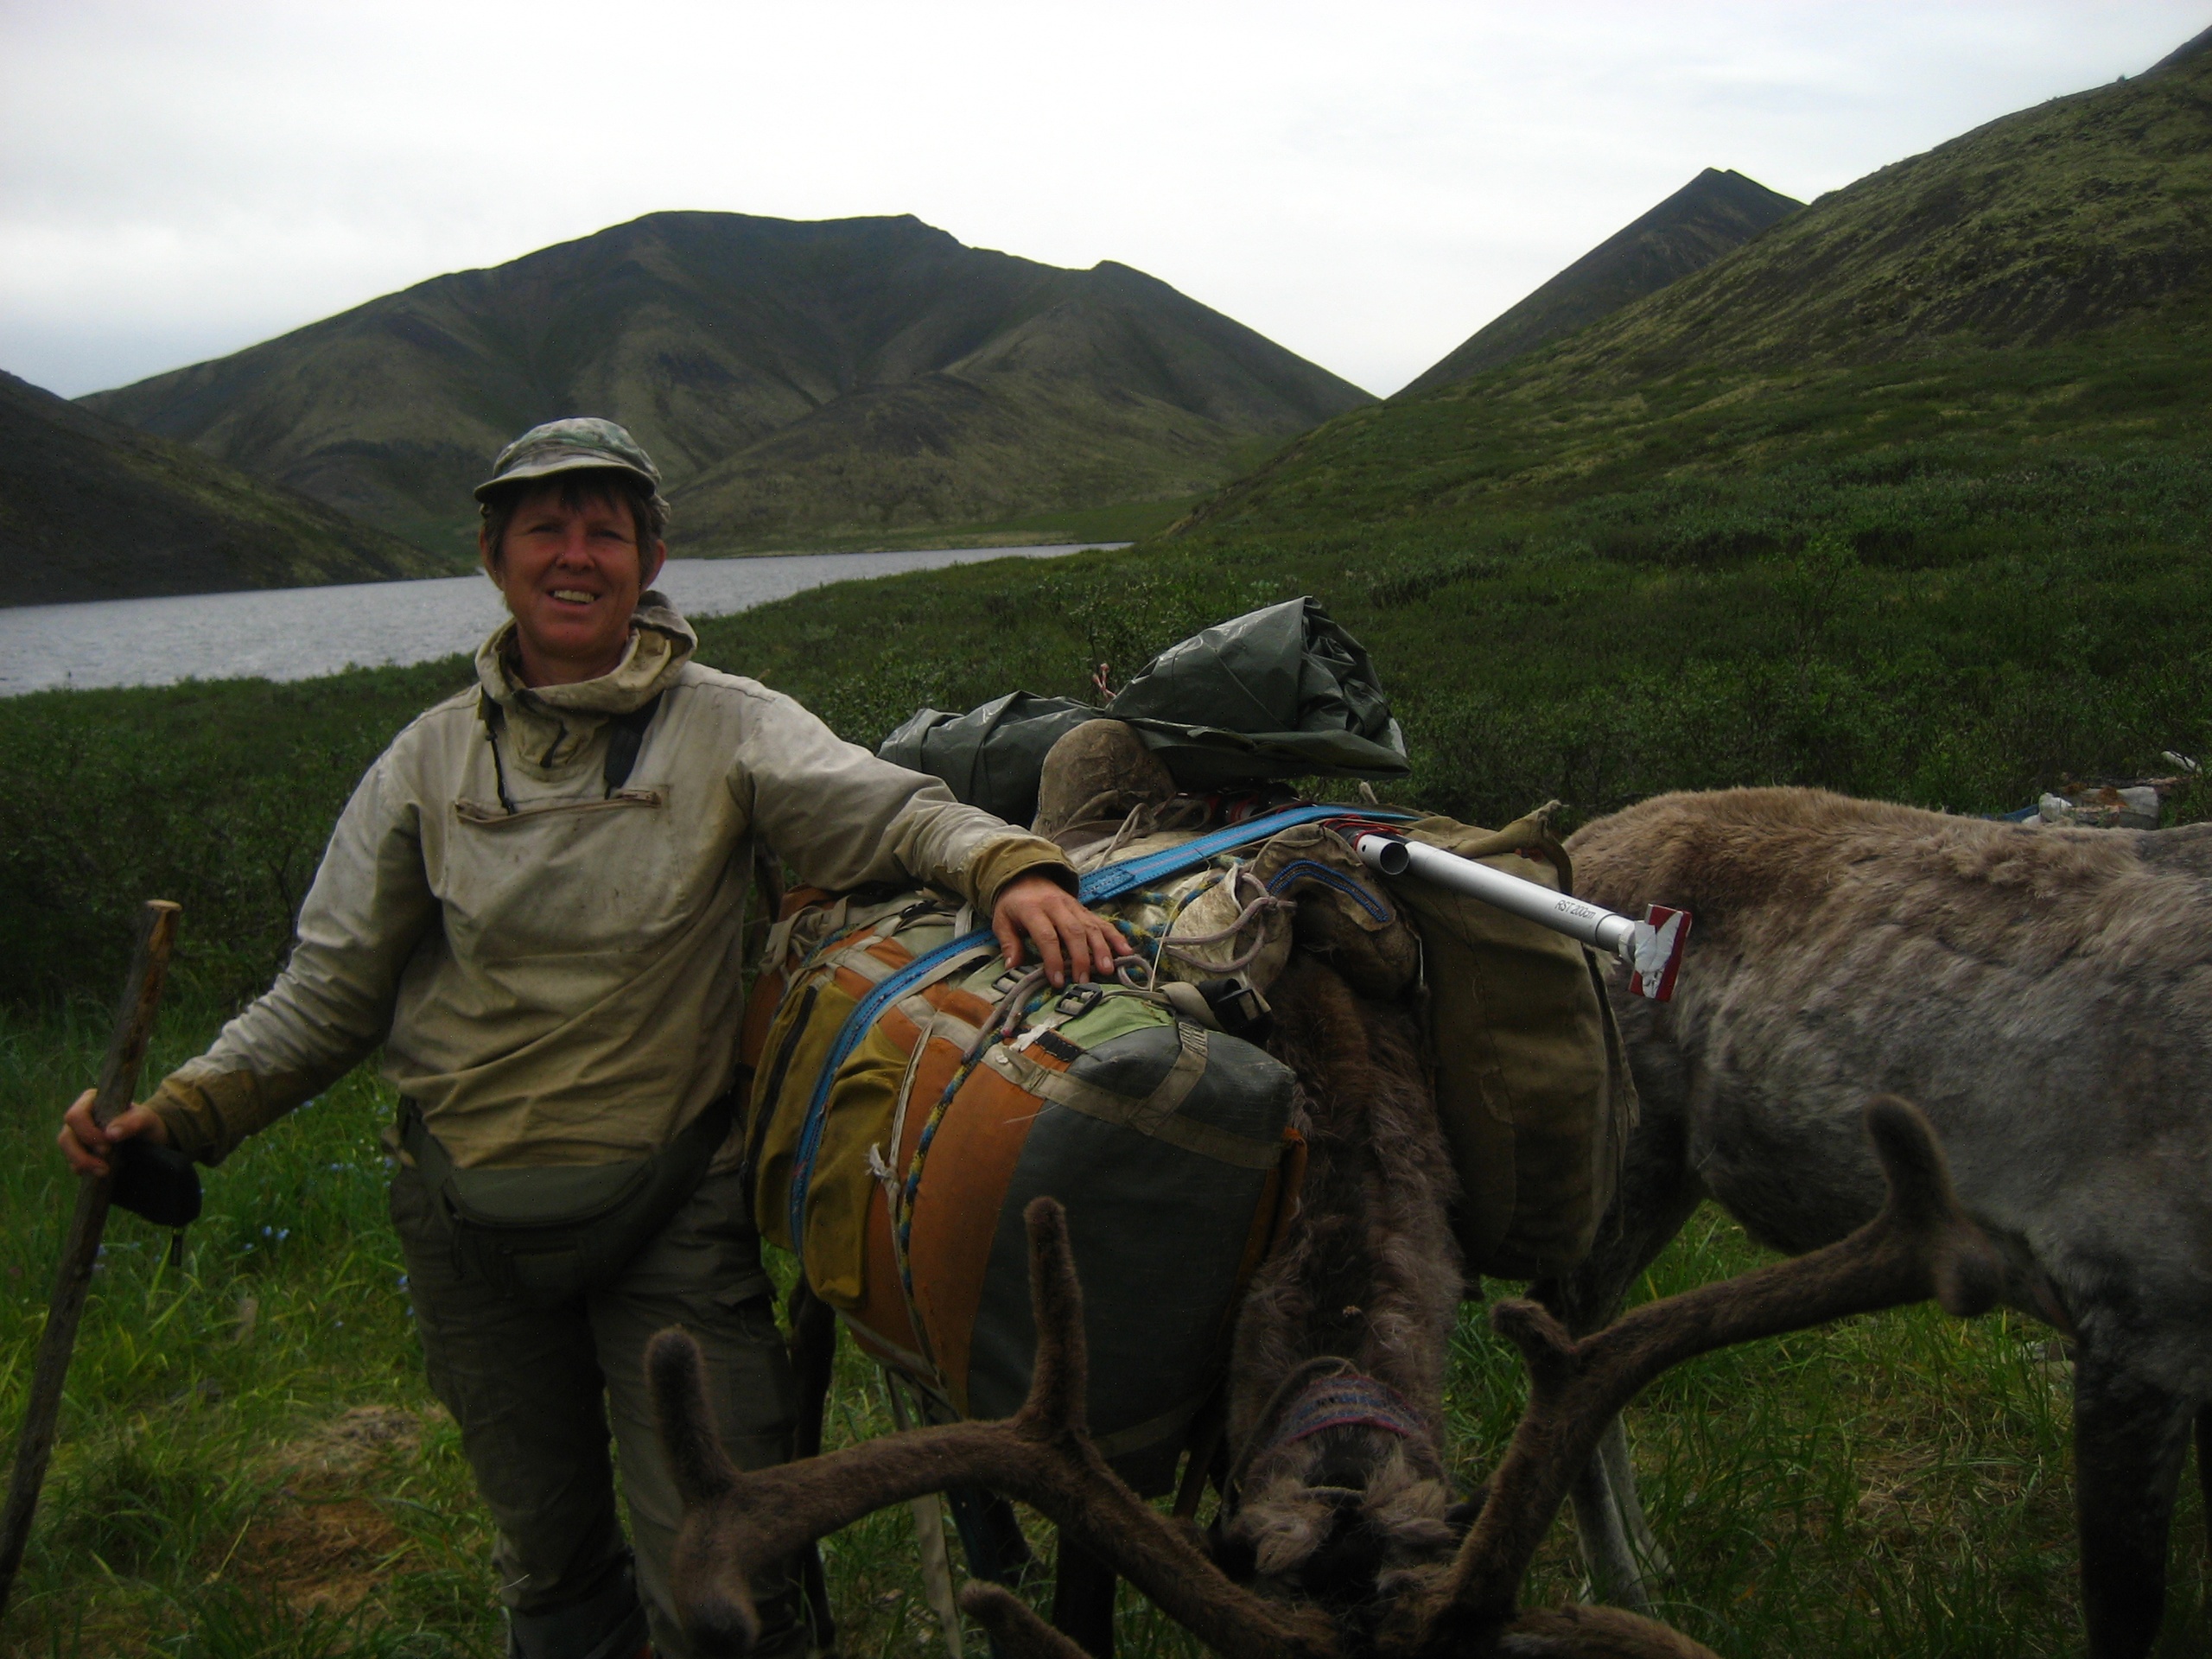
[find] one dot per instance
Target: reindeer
(2045, 995)
(1339, 1542)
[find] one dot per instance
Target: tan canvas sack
(1531, 1082)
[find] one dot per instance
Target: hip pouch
(547, 1236)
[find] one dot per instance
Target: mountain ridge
(2086, 212)
(712, 333)
(1714, 213)
(92, 509)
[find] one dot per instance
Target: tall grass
(210, 1494)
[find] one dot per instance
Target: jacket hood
(549, 725)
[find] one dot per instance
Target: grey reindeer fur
(2044, 994)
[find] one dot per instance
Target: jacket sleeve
(369, 906)
(843, 818)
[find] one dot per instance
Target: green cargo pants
(533, 1390)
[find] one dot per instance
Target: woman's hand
(86, 1144)
(1037, 909)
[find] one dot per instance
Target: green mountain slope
(794, 380)
(1714, 213)
(1951, 552)
(2087, 213)
(89, 508)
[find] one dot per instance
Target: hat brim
(582, 462)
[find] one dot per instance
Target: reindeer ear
(701, 1470)
(1966, 1270)
(714, 1601)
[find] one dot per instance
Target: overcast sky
(1366, 183)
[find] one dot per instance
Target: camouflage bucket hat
(566, 446)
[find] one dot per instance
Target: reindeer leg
(1083, 1598)
(814, 1360)
(990, 1534)
(814, 1357)
(2129, 1436)
(1657, 1195)
(1608, 1553)
(1620, 1475)
(1921, 1245)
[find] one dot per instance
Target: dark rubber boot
(609, 1624)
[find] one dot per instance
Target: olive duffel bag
(911, 1096)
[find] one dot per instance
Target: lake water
(295, 634)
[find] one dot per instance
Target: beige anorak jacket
(559, 984)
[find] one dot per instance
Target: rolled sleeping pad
(1652, 948)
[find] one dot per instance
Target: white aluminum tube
(1590, 924)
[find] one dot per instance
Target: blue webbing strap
(1094, 888)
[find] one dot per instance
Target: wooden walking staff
(118, 1082)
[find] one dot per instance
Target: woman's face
(571, 575)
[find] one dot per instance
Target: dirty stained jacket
(558, 984)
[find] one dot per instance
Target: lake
(295, 634)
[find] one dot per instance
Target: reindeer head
(1466, 1604)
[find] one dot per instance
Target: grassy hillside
(1714, 213)
(90, 509)
(798, 383)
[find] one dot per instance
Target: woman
(534, 902)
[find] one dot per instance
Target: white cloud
(1366, 185)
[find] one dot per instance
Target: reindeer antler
(1922, 1244)
(737, 1523)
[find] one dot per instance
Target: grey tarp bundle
(1282, 692)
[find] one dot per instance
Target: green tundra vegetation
(1910, 496)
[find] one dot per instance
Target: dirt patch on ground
(350, 1443)
(319, 1540)
(330, 1553)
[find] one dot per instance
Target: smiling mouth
(574, 595)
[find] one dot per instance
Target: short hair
(577, 487)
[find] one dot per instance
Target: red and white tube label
(1660, 938)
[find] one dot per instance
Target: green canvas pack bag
(545, 1235)
(1280, 692)
(1532, 1083)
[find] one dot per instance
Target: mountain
(1910, 497)
(1714, 213)
(794, 380)
(90, 509)
(2085, 216)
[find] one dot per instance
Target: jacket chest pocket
(567, 878)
